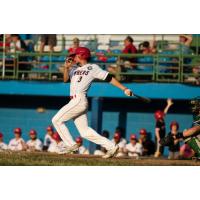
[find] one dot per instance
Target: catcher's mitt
(167, 141)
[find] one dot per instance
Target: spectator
(17, 44)
(17, 143)
(48, 39)
(102, 151)
(81, 149)
(185, 42)
(48, 139)
(147, 47)
(34, 144)
(147, 143)
(3, 146)
(186, 152)
(76, 43)
(121, 131)
(57, 145)
(134, 148)
(175, 147)
(124, 63)
(160, 128)
(121, 142)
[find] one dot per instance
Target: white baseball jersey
(83, 150)
(16, 145)
(34, 145)
(82, 77)
(134, 150)
(99, 153)
(48, 140)
(122, 142)
(55, 147)
(3, 146)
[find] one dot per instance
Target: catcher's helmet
(32, 132)
(143, 131)
(83, 52)
(159, 114)
(79, 140)
(195, 105)
(18, 130)
(174, 123)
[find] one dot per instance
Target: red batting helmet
(32, 132)
(56, 137)
(174, 123)
(83, 52)
(79, 140)
(159, 114)
(49, 128)
(143, 131)
(1, 135)
(117, 136)
(18, 130)
(133, 137)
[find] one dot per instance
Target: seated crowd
(135, 148)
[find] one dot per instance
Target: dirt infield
(47, 159)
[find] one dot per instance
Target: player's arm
(116, 83)
(192, 131)
(169, 104)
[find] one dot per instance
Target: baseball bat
(144, 99)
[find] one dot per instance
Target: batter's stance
(81, 74)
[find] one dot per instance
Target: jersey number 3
(80, 78)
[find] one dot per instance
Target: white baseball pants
(76, 109)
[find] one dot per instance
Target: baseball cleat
(111, 153)
(70, 150)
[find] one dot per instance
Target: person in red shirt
(76, 43)
(129, 46)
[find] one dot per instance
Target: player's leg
(66, 113)
(90, 134)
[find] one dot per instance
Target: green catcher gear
(194, 144)
(195, 107)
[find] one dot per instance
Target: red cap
(83, 52)
(18, 130)
(143, 131)
(133, 137)
(117, 136)
(79, 140)
(49, 128)
(159, 114)
(56, 137)
(174, 123)
(1, 135)
(32, 132)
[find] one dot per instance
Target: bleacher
(168, 65)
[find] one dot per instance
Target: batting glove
(128, 92)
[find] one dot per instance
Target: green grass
(47, 159)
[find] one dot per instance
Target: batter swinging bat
(144, 99)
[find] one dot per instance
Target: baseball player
(160, 130)
(121, 142)
(146, 142)
(81, 73)
(34, 144)
(134, 148)
(3, 146)
(17, 143)
(57, 146)
(81, 149)
(192, 135)
(48, 137)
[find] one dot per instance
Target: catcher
(192, 135)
